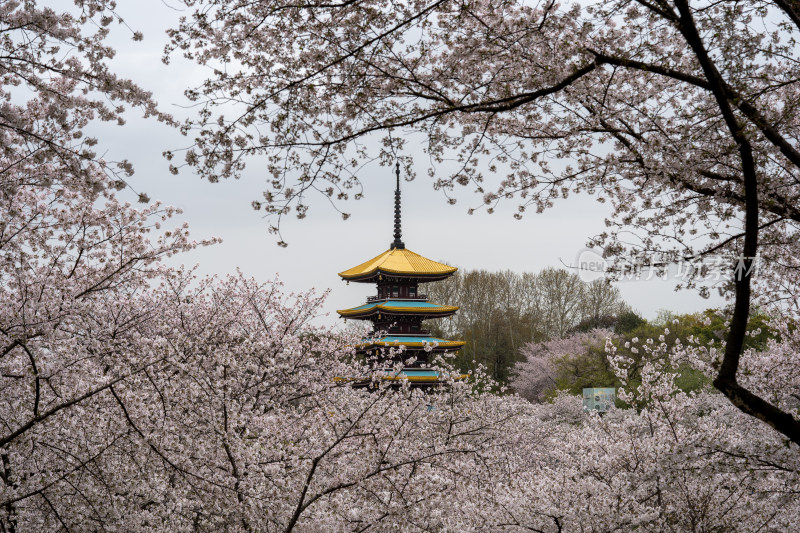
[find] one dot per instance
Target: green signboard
(599, 399)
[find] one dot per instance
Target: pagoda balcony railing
(417, 298)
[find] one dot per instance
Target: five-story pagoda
(398, 309)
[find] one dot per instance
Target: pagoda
(397, 310)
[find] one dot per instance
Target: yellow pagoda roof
(398, 261)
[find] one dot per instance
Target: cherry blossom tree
(72, 269)
(54, 81)
(207, 406)
(687, 463)
(682, 114)
(680, 462)
(138, 397)
(535, 375)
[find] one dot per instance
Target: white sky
(322, 244)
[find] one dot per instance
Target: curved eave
(440, 345)
(424, 379)
(409, 375)
(372, 277)
(438, 312)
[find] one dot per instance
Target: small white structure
(599, 399)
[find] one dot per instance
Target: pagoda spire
(397, 244)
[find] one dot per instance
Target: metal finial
(397, 233)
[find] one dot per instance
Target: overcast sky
(323, 244)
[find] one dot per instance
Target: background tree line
(545, 332)
(503, 311)
(581, 359)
